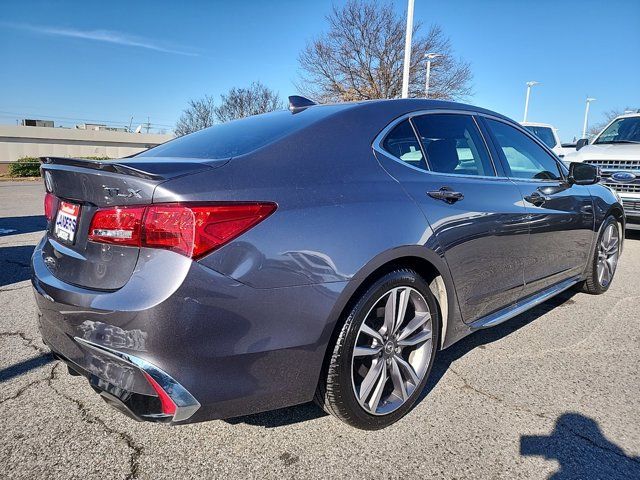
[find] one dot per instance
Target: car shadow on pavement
(15, 264)
(444, 358)
(581, 449)
(281, 417)
(21, 368)
(19, 225)
(479, 339)
(632, 235)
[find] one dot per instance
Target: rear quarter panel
(337, 209)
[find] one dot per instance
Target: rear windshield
(239, 137)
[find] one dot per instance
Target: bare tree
(361, 57)
(243, 102)
(608, 116)
(198, 115)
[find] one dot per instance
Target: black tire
(592, 284)
(335, 393)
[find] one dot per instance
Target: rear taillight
(121, 225)
(191, 230)
(49, 205)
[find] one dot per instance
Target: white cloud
(107, 36)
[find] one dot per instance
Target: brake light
(191, 230)
(49, 205)
(120, 225)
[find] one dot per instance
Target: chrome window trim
(379, 139)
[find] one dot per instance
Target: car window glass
(543, 133)
(453, 144)
(239, 137)
(525, 158)
(623, 130)
(402, 143)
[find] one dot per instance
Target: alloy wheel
(608, 253)
(392, 351)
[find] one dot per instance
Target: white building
(21, 141)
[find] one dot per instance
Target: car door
(561, 218)
(475, 212)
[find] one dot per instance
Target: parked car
(324, 252)
(549, 135)
(616, 151)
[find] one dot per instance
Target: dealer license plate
(67, 222)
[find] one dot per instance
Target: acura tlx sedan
(323, 252)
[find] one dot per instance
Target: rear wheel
(383, 354)
(605, 258)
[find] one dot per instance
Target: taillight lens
(191, 230)
(49, 205)
(120, 225)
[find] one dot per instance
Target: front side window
(623, 130)
(402, 143)
(524, 157)
(453, 144)
(543, 133)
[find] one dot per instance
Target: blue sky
(108, 61)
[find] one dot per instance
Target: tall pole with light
(526, 102)
(407, 50)
(429, 56)
(586, 117)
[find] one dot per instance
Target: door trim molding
(523, 305)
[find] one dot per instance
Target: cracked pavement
(554, 393)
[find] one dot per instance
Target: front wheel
(605, 258)
(383, 354)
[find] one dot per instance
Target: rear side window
(240, 137)
(524, 157)
(402, 143)
(453, 145)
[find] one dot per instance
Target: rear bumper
(225, 348)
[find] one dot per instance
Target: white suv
(616, 150)
(549, 136)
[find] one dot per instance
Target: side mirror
(581, 143)
(583, 174)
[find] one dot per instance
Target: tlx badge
(130, 193)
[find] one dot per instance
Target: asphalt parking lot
(554, 392)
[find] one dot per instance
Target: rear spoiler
(111, 166)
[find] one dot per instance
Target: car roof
(628, 115)
(400, 106)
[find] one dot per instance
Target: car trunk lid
(81, 187)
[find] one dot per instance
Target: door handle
(536, 199)
(446, 194)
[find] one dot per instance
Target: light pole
(526, 102)
(407, 50)
(586, 117)
(429, 57)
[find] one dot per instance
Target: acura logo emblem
(623, 176)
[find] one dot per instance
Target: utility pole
(148, 124)
(407, 50)
(526, 102)
(586, 117)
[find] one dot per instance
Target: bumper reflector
(168, 407)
